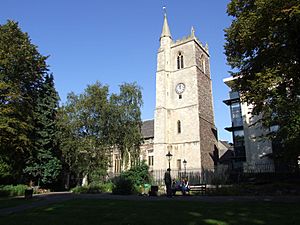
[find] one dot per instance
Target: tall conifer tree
(44, 164)
(22, 69)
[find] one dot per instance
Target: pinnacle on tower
(166, 30)
(192, 31)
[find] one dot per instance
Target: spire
(166, 30)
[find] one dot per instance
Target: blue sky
(117, 41)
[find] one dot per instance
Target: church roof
(166, 30)
(226, 144)
(148, 129)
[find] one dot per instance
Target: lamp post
(169, 157)
(184, 164)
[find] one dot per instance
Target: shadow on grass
(158, 212)
(13, 202)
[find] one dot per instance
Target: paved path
(50, 198)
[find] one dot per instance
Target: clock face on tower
(180, 88)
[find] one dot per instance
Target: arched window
(202, 61)
(179, 61)
(178, 127)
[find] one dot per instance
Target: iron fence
(259, 168)
(222, 174)
(194, 176)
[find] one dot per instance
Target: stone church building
(184, 120)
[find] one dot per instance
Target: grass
(95, 211)
(275, 189)
(7, 202)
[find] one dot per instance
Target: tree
(262, 47)
(92, 124)
(22, 69)
(43, 163)
(128, 134)
(68, 141)
(83, 124)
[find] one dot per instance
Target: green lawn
(12, 202)
(157, 212)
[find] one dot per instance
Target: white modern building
(252, 151)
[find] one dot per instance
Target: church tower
(184, 119)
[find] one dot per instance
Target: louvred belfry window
(179, 61)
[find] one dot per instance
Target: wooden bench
(200, 188)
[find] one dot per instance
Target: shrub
(93, 188)
(40, 191)
(123, 186)
(107, 187)
(132, 181)
(139, 174)
(11, 190)
(79, 190)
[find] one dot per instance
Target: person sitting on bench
(185, 186)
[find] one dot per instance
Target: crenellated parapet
(191, 37)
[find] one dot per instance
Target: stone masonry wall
(208, 139)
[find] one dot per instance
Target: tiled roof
(148, 129)
(227, 144)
